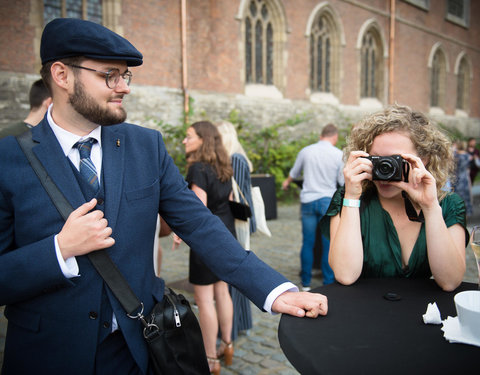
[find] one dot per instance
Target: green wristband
(351, 203)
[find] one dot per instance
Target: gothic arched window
(259, 30)
(437, 80)
(463, 85)
(321, 56)
(371, 66)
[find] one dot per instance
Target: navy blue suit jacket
(49, 325)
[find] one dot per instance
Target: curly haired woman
(371, 233)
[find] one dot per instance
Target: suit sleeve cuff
(272, 296)
(69, 267)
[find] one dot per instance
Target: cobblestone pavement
(257, 352)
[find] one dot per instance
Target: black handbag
(171, 330)
(168, 332)
(239, 210)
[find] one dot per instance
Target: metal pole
(391, 53)
(184, 59)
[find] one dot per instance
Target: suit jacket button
(92, 315)
(100, 201)
(106, 325)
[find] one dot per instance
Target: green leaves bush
(271, 149)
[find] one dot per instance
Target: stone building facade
(269, 60)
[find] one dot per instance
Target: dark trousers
(114, 358)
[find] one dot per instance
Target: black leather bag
(171, 330)
(240, 211)
(174, 337)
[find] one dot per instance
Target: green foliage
(271, 149)
(453, 133)
(173, 136)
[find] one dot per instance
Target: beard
(86, 106)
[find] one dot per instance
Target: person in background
(383, 228)
(209, 177)
(321, 164)
(118, 177)
(162, 230)
(39, 99)
(242, 166)
(475, 160)
(461, 183)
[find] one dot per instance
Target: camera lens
(386, 169)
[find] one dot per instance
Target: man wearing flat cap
(62, 318)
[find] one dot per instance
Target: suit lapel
(57, 165)
(113, 162)
(50, 154)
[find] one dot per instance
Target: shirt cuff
(69, 267)
(272, 296)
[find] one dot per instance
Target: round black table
(365, 333)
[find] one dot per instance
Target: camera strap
(411, 211)
(406, 170)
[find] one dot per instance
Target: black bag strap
(100, 259)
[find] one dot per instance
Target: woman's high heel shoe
(214, 365)
(226, 351)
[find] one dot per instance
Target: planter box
(266, 183)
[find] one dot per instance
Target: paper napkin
(432, 315)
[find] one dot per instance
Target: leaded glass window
(437, 84)
(94, 11)
(259, 43)
(74, 8)
(85, 9)
(51, 9)
(455, 8)
(458, 11)
(435, 81)
(463, 80)
(320, 56)
(369, 66)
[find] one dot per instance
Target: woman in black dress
(209, 176)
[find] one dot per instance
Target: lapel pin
(118, 142)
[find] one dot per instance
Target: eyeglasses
(112, 77)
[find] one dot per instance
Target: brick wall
(215, 59)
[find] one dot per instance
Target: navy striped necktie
(87, 168)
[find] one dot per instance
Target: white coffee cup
(467, 304)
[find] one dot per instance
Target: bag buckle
(150, 329)
(139, 314)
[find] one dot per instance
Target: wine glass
(475, 243)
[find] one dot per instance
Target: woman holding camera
(404, 228)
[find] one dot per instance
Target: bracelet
(351, 202)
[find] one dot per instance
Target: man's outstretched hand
(301, 304)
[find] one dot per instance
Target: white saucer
(453, 333)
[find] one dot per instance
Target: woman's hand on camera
(356, 170)
(421, 188)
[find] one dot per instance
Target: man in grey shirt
(322, 167)
(39, 98)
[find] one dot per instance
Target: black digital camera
(389, 168)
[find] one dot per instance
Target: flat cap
(71, 37)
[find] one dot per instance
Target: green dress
(381, 246)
